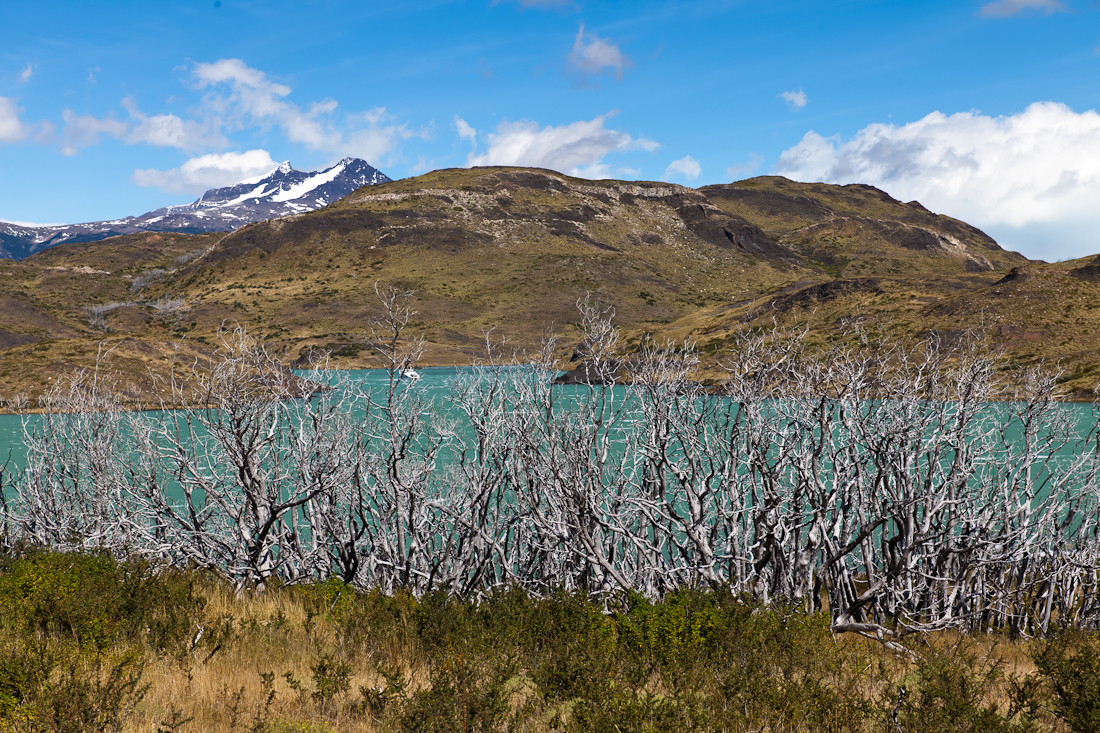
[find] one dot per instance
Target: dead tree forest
(899, 488)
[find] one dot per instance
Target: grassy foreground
(88, 643)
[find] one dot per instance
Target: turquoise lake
(434, 386)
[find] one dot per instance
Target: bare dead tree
(900, 488)
(388, 500)
(69, 494)
(225, 478)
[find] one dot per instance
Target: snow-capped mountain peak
(290, 191)
(281, 192)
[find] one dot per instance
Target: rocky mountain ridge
(282, 192)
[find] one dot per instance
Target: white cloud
(380, 138)
(91, 74)
(1005, 8)
(740, 170)
(422, 165)
(12, 128)
(197, 175)
(465, 131)
(26, 74)
(170, 131)
(571, 148)
(592, 56)
(687, 167)
(235, 97)
(1015, 174)
(30, 223)
(81, 131)
(603, 171)
(796, 99)
(254, 99)
(595, 172)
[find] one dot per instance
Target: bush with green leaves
(1069, 667)
(94, 598)
(956, 689)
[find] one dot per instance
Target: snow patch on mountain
(253, 194)
(301, 189)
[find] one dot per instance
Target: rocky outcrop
(824, 292)
(1089, 272)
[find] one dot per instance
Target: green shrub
(331, 678)
(679, 628)
(954, 690)
(76, 629)
(462, 696)
(572, 646)
(1069, 664)
(45, 691)
(25, 667)
(624, 710)
(364, 621)
(94, 598)
(781, 668)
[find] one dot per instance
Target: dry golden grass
(222, 689)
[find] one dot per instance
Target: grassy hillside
(510, 250)
(486, 249)
(1037, 314)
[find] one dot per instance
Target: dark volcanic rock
(1014, 275)
(711, 224)
(812, 218)
(946, 337)
(772, 203)
(10, 340)
(586, 373)
(1089, 272)
(824, 292)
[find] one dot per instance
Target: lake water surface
(434, 385)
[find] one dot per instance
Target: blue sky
(983, 110)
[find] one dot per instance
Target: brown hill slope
(858, 230)
(512, 249)
(1041, 313)
(49, 301)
